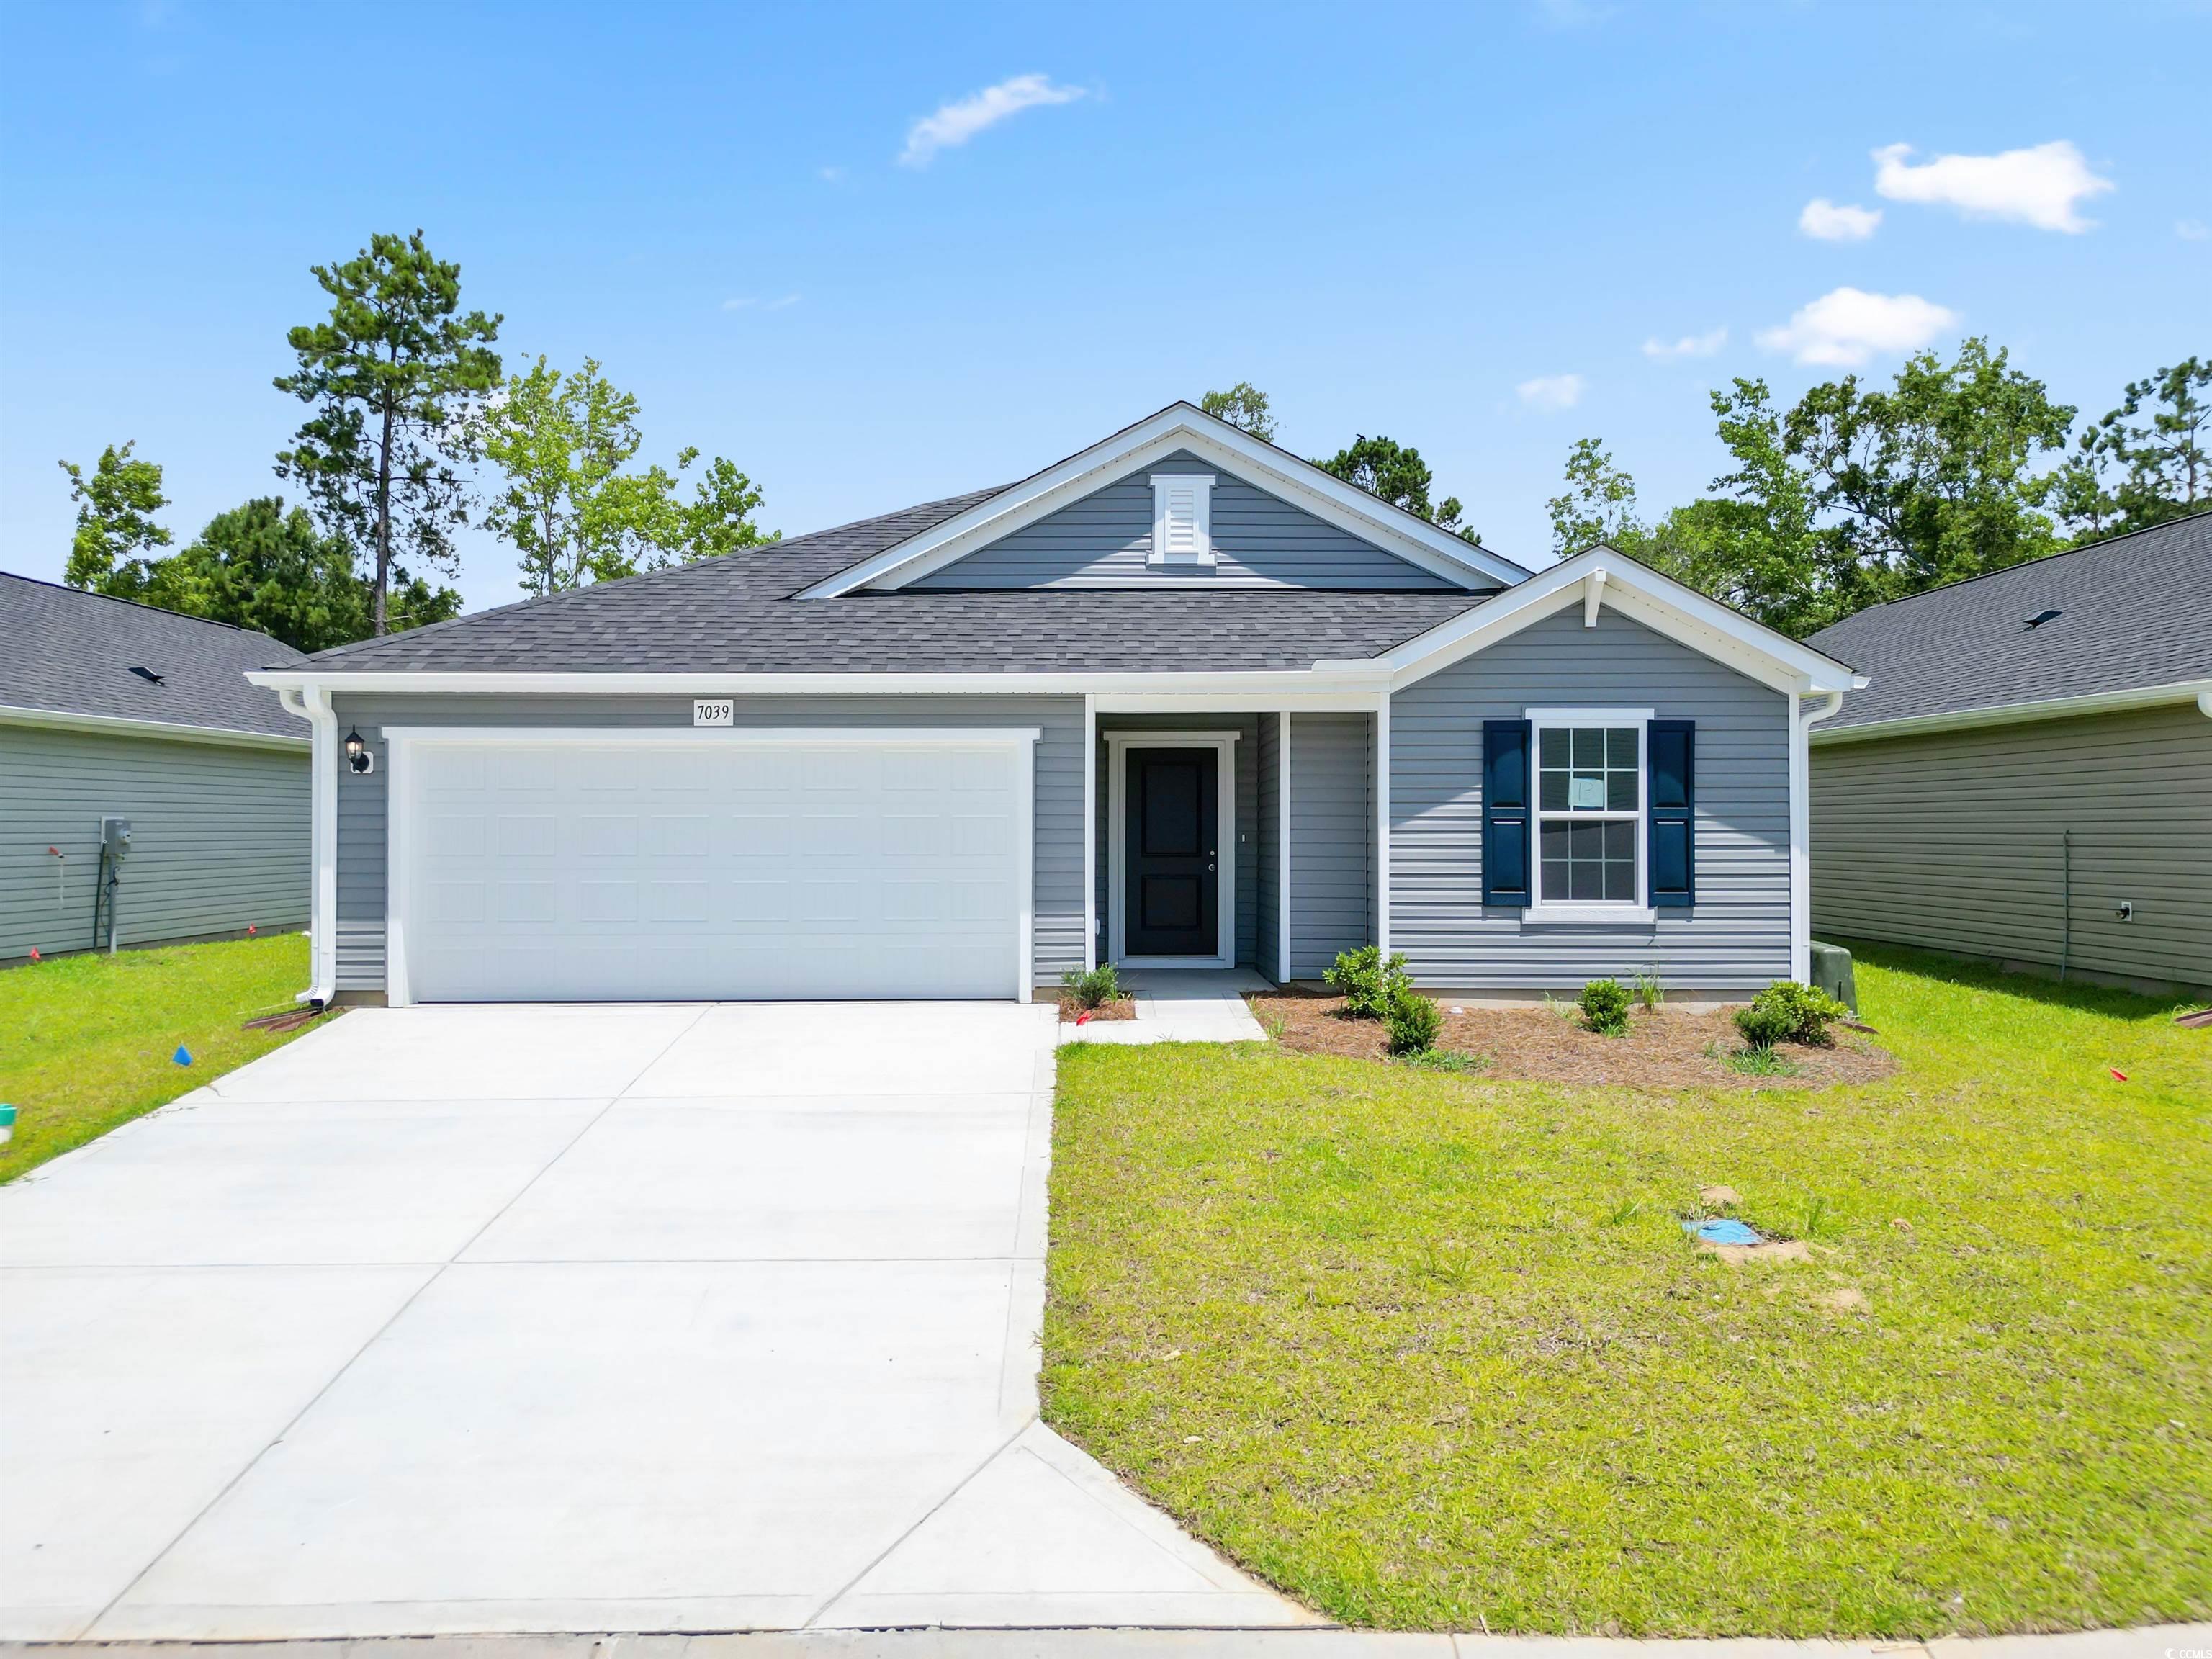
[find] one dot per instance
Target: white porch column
(1283, 848)
(1383, 825)
(1090, 832)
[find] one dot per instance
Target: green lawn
(86, 1041)
(1427, 1352)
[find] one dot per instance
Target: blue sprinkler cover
(183, 1056)
(1723, 1230)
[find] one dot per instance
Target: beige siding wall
(1955, 840)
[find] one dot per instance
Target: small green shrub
(1094, 988)
(1605, 1007)
(1650, 991)
(1787, 1011)
(1366, 981)
(1761, 1062)
(1412, 1020)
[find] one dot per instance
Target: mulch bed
(1119, 1008)
(1665, 1048)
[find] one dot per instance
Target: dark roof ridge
(135, 605)
(2040, 559)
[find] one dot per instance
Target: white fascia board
(1358, 677)
(169, 731)
(1179, 425)
(2019, 713)
(1660, 603)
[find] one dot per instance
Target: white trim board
(118, 725)
(2015, 713)
(402, 741)
(1118, 745)
(1660, 602)
(1180, 426)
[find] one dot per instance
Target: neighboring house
(111, 710)
(1181, 699)
(2029, 775)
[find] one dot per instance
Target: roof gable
(1180, 428)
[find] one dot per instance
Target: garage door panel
(630, 869)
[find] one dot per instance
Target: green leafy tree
(116, 536)
(1598, 505)
(2163, 469)
(574, 515)
(389, 376)
(265, 567)
(1243, 405)
(1933, 480)
(1383, 466)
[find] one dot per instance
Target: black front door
(1173, 903)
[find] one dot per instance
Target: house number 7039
(714, 711)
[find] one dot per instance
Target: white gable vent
(1183, 518)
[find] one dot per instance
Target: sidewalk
(2163, 1641)
(1180, 1005)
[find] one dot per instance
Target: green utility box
(1831, 972)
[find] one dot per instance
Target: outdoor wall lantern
(357, 754)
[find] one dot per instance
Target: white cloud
(1552, 391)
(955, 124)
(1827, 222)
(1689, 345)
(830, 175)
(2040, 186)
(2192, 230)
(1844, 328)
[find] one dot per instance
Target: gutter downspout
(312, 704)
(1802, 722)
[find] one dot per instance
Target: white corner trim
(1593, 591)
(1382, 828)
(64, 720)
(1641, 594)
(1802, 722)
(1090, 832)
(1118, 745)
(1283, 846)
(1179, 425)
(2015, 713)
(314, 707)
(1200, 551)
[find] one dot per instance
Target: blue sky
(1461, 227)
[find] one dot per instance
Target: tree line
(1858, 494)
(412, 430)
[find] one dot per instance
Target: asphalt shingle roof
(735, 615)
(68, 652)
(2133, 611)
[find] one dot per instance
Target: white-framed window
(1589, 857)
(1183, 518)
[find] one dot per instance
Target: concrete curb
(2152, 1642)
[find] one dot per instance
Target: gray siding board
(1247, 726)
(1057, 824)
(219, 837)
(1107, 536)
(1952, 840)
(1331, 839)
(1738, 934)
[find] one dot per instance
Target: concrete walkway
(2165, 1642)
(1181, 1006)
(530, 1319)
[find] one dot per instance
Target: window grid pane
(1590, 788)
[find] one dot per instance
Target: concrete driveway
(540, 1319)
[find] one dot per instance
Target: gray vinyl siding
(1331, 839)
(1247, 727)
(1267, 837)
(1737, 935)
(219, 837)
(1057, 884)
(1106, 538)
(1954, 840)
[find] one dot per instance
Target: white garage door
(576, 867)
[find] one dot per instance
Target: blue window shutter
(1505, 838)
(1671, 803)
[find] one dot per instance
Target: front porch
(1230, 840)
